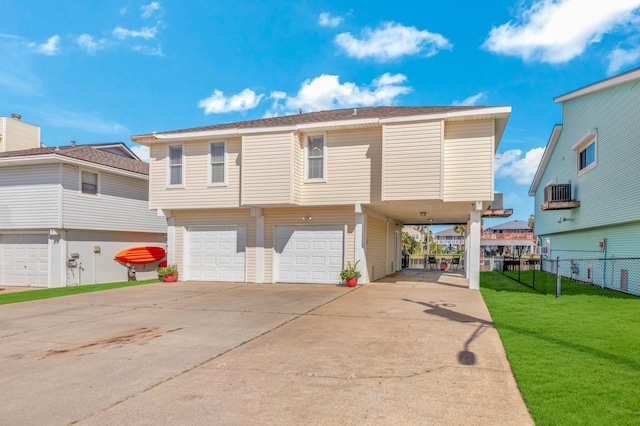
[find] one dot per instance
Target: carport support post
(257, 212)
(473, 250)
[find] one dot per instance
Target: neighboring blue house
(587, 187)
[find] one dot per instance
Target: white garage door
(25, 260)
(309, 254)
(216, 254)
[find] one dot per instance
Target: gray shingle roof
(332, 115)
(87, 153)
(514, 224)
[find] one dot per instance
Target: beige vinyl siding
(468, 160)
(376, 247)
(392, 248)
(353, 169)
(18, 135)
(415, 146)
(298, 167)
(222, 217)
(294, 216)
(266, 169)
(196, 193)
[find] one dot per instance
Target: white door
(25, 260)
(309, 254)
(216, 254)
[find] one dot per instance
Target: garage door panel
(25, 260)
(217, 254)
(309, 253)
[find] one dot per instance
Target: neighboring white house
(66, 211)
(293, 198)
(448, 240)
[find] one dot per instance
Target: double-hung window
(586, 154)
(316, 158)
(89, 183)
(175, 165)
(218, 163)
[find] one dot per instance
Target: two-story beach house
(66, 211)
(586, 189)
(293, 198)
(514, 237)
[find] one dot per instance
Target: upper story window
(89, 183)
(586, 151)
(175, 171)
(316, 158)
(218, 163)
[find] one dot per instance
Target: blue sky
(102, 71)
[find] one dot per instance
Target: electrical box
(96, 249)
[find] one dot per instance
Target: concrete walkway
(418, 348)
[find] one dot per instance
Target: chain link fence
(575, 276)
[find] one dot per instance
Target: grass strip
(47, 293)
(576, 359)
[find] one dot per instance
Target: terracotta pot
(351, 282)
(443, 266)
(170, 278)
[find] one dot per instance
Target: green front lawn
(24, 296)
(576, 359)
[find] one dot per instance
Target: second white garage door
(216, 254)
(309, 254)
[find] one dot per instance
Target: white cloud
(471, 100)
(141, 151)
(326, 92)
(558, 31)
(148, 50)
(521, 169)
(218, 103)
(145, 33)
(86, 42)
(148, 9)
(326, 20)
(621, 57)
(390, 41)
(49, 48)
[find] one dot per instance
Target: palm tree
(531, 222)
(460, 229)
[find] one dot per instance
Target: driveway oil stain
(139, 335)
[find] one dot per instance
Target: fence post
(532, 266)
(519, 268)
(558, 277)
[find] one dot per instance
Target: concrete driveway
(417, 348)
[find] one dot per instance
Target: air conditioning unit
(557, 193)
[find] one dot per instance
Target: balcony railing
(558, 197)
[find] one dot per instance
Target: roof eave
(50, 158)
(601, 85)
(551, 144)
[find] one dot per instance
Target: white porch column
(473, 251)
(259, 244)
(360, 236)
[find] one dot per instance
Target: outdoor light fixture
(306, 217)
(423, 213)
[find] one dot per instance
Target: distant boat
(142, 254)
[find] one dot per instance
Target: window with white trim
(316, 158)
(218, 163)
(175, 165)
(89, 183)
(586, 152)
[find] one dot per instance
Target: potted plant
(168, 273)
(350, 274)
